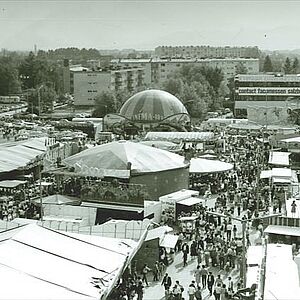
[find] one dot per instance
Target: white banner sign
(270, 91)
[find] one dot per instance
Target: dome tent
(160, 171)
(152, 106)
(115, 156)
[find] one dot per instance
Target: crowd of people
(215, 246)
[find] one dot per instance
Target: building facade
(266, 98)
(87, 85)
(158, 70)
(206, 52)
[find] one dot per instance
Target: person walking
(210, 282)
(185, 251)
(197, 275)
(204, 274)
(167, 281)
(156, 271)
(198, 293)
(140, 290)
(217, 292)
(191, 291)
(293, 210)
(145, 271)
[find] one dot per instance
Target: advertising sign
(270, 91)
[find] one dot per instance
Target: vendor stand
(187, 225)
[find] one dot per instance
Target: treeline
(75, 54)
(278, 63)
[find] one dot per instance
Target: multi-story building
(266, 99)
(206, 52)
(87, 85)
(158, 70)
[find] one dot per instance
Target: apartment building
(87, 85)
(206, 52)
(158, 70)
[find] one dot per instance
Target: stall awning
(180, 136)
(169, 241)
(201, 165)
(292, 140)
(111, 206)
(190, 201)
(279, 158)
(283, 230)
(11, 183)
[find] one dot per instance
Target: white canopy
(180, 136)
(292, 140)
(281, 274)
(39, 263)
(200, 165)
(190, 201)
(279, 158)
(112, 159)
(283, 230)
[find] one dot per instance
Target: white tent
(281, 274)
(113, 159)
(40, 263)
(279, 158)
(292, 140)
(200, 165)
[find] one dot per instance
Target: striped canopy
(152, 106)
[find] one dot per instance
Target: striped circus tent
(152, 106)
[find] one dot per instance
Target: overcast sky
(146, 24)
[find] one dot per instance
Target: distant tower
(35, 50)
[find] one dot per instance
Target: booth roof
(279, 158)
(200, 165)
(18, 155)
(292, 140)
(57, 265)
(180, 136)
(279, 263)
(11, 183)
(115, 156)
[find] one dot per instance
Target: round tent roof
(112, 159)
(152, 106)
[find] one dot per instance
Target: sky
(144, 25)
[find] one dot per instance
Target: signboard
(270, 91)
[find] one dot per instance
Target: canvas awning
(10, 184)
(114, 207)
(169, 241)
(180, 136)
(279, 158)
(59, 265)
(292, 140)
(200, 165)
(283, 230)
(190, 201)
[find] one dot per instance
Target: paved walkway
(185, 275)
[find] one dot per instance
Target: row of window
(267, 84)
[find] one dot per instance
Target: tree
(105, 103)
(287, 66)
(268, 66)
(295, 66)
(9, 77)
(241, 69)
(41, 100)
